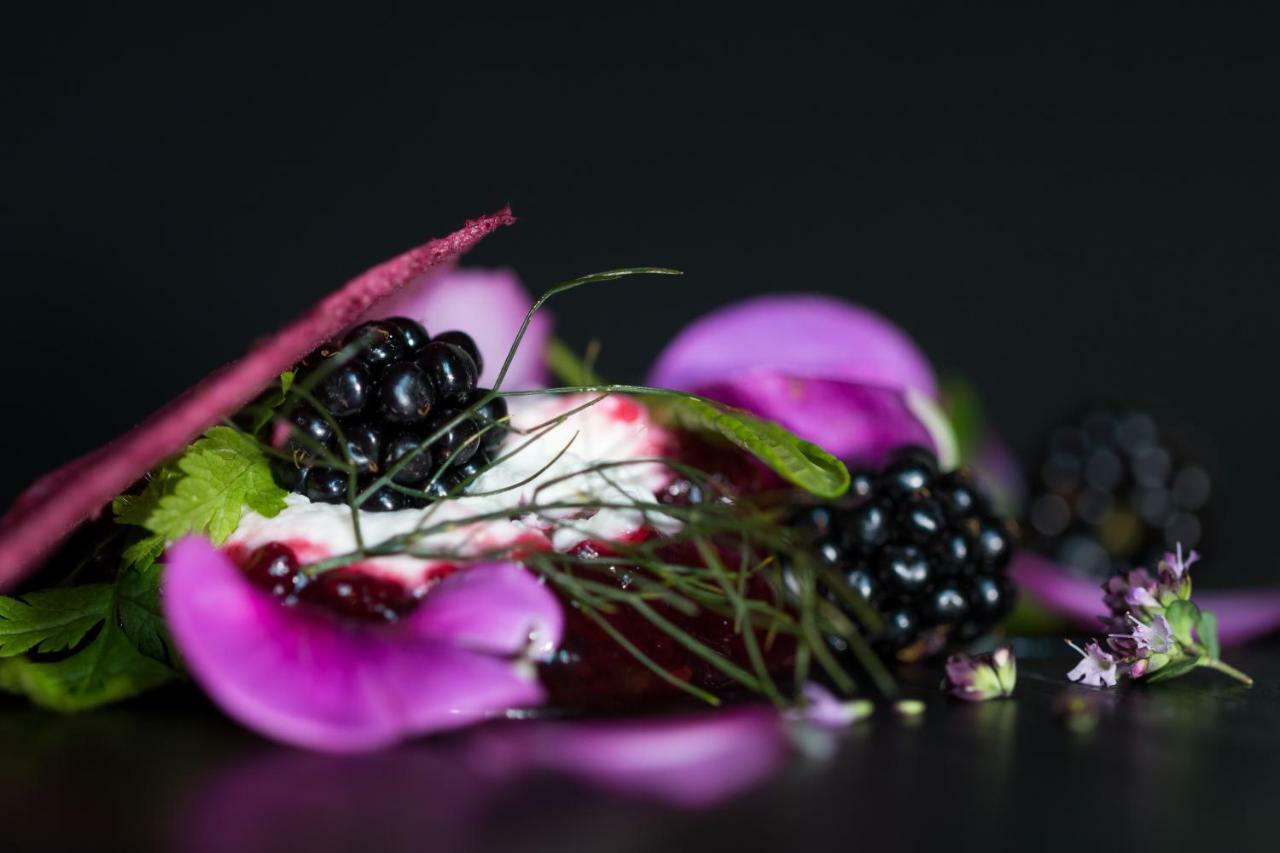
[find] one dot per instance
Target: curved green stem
(1226, 669)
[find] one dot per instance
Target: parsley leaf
(127, 656)
(51, 620)
(138, 604)
(106, 670)
(224, 471)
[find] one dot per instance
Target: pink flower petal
(489, 305)
(801, 335)
(50, 508)
(500, 609)
(1243, 615)
(311, 679)
(852, 421)
(687, 761)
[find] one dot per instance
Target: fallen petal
(308, 678)
(1244, 615)
(688, 761)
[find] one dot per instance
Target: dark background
(1056, 207)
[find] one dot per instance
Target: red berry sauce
(350, 591)
(591, 671)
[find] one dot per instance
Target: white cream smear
(614, 430)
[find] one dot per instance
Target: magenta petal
(1243, 615)
(800, 335)
(313, 680)
(489, 305)
(690, 762)
(500, 609)
(851, 421)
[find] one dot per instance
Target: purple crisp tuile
(306, 677)
(55, 504)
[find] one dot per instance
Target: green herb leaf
(1207, 631)
(106, 670)
(51, 620)
(1173, 670)
(224, 472)
(136, 509)
(800, 462)
(567, 367)
(138, 603)
(271, 400)
(1183, 616)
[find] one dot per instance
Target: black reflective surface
(1191, 764)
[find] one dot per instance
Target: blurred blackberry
(924, 548)
(1112, 490)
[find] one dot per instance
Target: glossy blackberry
(923, 547)
(405, 394)
(1113, 489)
(464, 342)
(451, 370)
(394, 389)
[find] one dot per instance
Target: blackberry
(464, 342)
(452, 371)
(922, 547)
(1112, 490)
(394, 388)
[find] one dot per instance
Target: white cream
(616, 429)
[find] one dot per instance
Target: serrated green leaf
(51, 620)
(1173, 670)
(143, 553)
(136, 509)
(106, 670)
(271, 400)
(800, 462)
(1183, 616)
(138, 605)
(223, 472)
(1207, 631)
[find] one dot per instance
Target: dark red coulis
(349, 591)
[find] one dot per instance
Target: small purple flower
(977, 678)
(1155, 638)
(1173, 568)
(1130, 591)
(1096, 668)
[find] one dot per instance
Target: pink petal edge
(488, 304)
(1243, 615)
(49, 509)
(852, 421)
(307, 678)
(804, 335)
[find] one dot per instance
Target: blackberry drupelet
(1113, 490)
(381, 393)
(922, 547)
